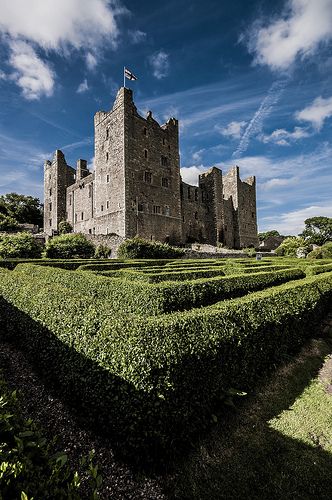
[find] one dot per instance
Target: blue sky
(249, 81)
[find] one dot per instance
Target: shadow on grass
(245, 458)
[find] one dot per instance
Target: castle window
(189, 195)
(183, 218)
(50, 191)
(253, 215)
(164, 141)
(75, 217)
(145, 132)
(196, 215)
(145, 153)
(50, 222)
(140, 207)
(196, 194)
(90, 231)
(102, 208)
(50, 206)
(107, 178)
(107, 204)
(106, 156)
(70, 199)
(164, 161)
(107, 133)
(164, 182)
(156, 209)
(148, 177)
(82, 215)
(167, 210)
(225, 229)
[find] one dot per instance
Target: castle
(136, 187)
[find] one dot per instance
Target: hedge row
(151, 382)
(312, 270)
(158, 276)
(123, 296)
(114, 265)
(61, 263)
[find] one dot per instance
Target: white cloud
(317, 112)
(91, 61)
(304, 25)
(83, 87)
(197, 155)
(256, 123)
(3, 75)
(284, 138)
(233, 129)
(137, 36)
(160, 64)
(31, 74)
(276, 183)
(61, 26)
(293, 222)
(190, 174)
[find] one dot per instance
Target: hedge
(62, 263)
(151, 299)
(312, 270)
(152, 382)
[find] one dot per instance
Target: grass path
(277, 445)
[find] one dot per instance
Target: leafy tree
(289, 246)
(65, 227)
(7, 223)
(102, 252)
(324, 252)
(20, 245)
(67, 246)
(267, 234)
(24, 209)
(138, 248)
(318, 230)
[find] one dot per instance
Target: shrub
(8, 223)
(19, 245)
(138, 248)
(324, 252)
(151, 381)
(68, 246)
(289, 246)
(251, 252)
(102, 252)
(65, 227)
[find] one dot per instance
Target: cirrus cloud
(317, 112)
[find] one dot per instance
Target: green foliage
(138, 248)
(289, 246)
(8, 223)
(318, 230)
(152, 380)
(102, 252)
(65, 227)
(251, 252)
(30, 466)
(22, 208)
(324, 252)
(69, 246)
(267, 234)
(20, 245)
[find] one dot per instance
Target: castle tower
(137, 175)
(242, 196)
(57, 177)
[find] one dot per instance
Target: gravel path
(37, 402)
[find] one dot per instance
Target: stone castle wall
(136, 188)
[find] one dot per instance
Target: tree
(289, 246)
(318, 230)
(8, 223)
(267, 234)
(65, 227)
(24, 209)
(21, 245)
(68, 246)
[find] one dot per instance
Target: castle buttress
(136, 188)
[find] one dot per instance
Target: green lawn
(276, 445)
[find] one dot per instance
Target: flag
(128, 74)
